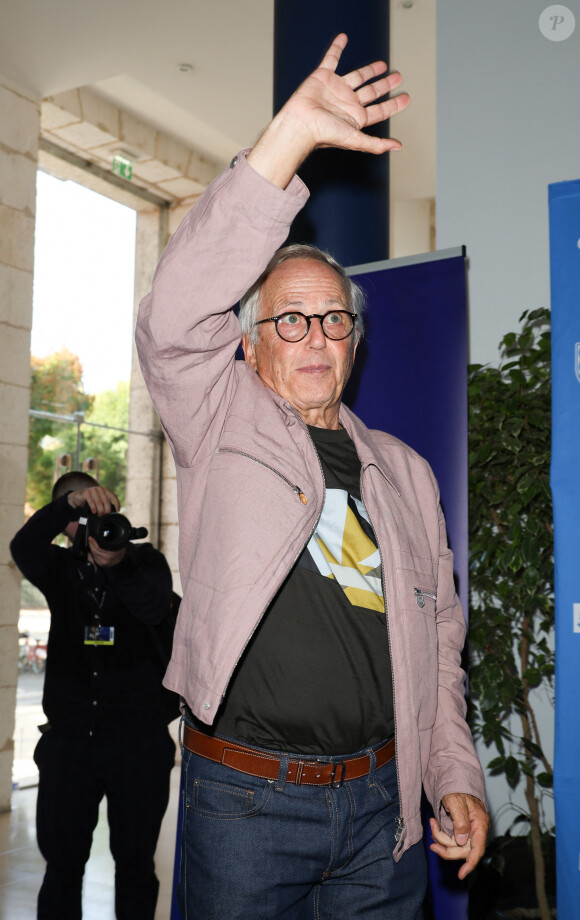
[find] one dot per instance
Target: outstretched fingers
(367, 143)
(366, 88)
(370, 92)
(328, 110)
(356, 78)
(332, 56)
(380, 111)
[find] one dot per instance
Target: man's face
(71, 530)
(310, 374)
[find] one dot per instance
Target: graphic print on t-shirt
(343, 548)
(316, 675)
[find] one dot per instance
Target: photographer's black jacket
(99, 690)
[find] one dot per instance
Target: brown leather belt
(301, 772)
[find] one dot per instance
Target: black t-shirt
(316, 676)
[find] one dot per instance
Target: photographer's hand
(98, 498)
(103, 557)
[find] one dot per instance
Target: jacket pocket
(416, 618)
(247, 505)
(417, 585)
(423, 597)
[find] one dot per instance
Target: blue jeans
(256, 849)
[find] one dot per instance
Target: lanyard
(95, 593)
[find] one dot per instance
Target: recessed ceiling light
(185, 68)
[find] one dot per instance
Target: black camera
(111, 531)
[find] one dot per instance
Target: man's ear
(357, 338)
(249, 352)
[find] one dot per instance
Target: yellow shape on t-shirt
(361, 582)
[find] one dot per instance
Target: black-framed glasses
(294, 326)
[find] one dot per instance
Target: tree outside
(57, 388)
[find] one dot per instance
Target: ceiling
(130, 52)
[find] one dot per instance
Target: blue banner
(564, 202)
(410, 379)
(410, 375)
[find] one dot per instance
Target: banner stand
(564, 208)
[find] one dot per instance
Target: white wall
(508, 124)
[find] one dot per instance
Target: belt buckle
(334, 782)
(337, 783)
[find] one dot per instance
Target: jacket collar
(366, 445)
(370, 452)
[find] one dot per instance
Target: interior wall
(19, 131)
(507, 126)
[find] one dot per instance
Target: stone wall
(19, 132)
(151, 491)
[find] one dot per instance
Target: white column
(19, 131)
(151, 491)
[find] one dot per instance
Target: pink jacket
(243, 456)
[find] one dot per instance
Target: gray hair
(250, 302)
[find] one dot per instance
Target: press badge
(99, 635)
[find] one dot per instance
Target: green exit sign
(122, 167)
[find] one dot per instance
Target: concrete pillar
(151, 485)
(348, 210)
(19, 132)
(412, 226)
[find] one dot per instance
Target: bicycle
(31, 657)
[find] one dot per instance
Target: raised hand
(328, 110)
(98, 498)
(334, 109)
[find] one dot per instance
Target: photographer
(109, 640)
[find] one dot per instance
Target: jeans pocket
(384, 792)
(226, 801)
(385, 782)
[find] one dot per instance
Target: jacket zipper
(241, 453)
(421, 595)
(399, 821)
(303, 499)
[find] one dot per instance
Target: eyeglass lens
(294, 326)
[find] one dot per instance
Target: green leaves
(546, 780)
(57, 387)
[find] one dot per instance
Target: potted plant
(511, 609)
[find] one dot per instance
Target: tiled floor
(22, 867)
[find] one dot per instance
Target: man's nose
(316, 337)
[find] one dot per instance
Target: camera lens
(112, 531)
